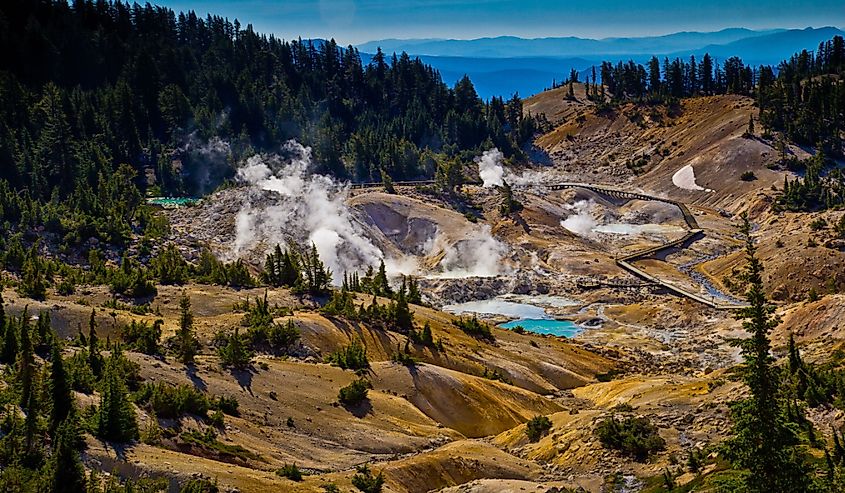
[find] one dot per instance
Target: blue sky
(357, 21)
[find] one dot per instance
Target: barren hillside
(647, 147)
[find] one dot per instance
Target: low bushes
(354, 393)
(475, 328)
(351, 357)
(536, 427)
(633, 436)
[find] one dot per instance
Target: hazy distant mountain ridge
(771, 48)
(507, 64)
(512, 46)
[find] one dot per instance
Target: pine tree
(289, 271)
(60, 391)
(43, 328)
(316, 277)
(426, 338)
(235, 353)
(762, 440)
(33, 283)
(381, 285)
(26, 363)
(508, 203)
(403, 316)
(186, 344)
(414, 295)
(10, 342)
(2, 315)
(95, 359)
(116, 420)
(32, 441)
(67, 474)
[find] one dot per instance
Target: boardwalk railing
(624, 262)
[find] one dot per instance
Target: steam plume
(302, 207)
(490, 167)
(479, 255)
(580, 222)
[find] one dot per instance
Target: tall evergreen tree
(26, 363)
(186, 344)
(60, 391)
(116, 420)
(762, 441)
(95, 359)
(10, 341)
(402, 314)
(705, 74)
(67, 474)
(2, 314)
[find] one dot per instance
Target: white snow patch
(685, 178)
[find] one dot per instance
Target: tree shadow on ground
(191, 372)
(361, 409)
(244, 377)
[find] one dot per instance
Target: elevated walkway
(625, 262)
(694, 231)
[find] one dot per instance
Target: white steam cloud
(580, 222)
(285, 202)
(477, 255)
(303, 207)
(490, 168)
(493, 173)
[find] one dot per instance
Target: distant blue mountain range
(504, 65)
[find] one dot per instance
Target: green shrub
(80, 375)
(199, 486)
(475, 328)
(276, 338)
(132, 280)
(169, 266)
(235, 352)
(536, 427)
(424, 336)
(518, 329)
(351, 357)
(633, 436)
(290, 471)
(172, 401)
(66, 287)
(818, 224)
(403, 358)
(227, 404)
(748, 176)
(217, 419)
(143, 337)
(623, 408)
(366, 482)
(151, 434)
(354, 393)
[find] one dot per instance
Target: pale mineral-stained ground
(440, 425)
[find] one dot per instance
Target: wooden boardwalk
(694, 232)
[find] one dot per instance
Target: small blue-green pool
(172, 201)
(549, 326)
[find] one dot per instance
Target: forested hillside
(87, 87)
(804, 97)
